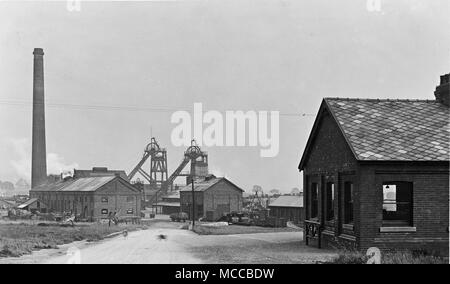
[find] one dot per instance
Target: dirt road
(166, 243)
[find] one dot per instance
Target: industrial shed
(169, 204)
(91, 198)
(376, 174)
(214, 197)
(33, 205)
(289, 208)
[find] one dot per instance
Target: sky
(116, 71)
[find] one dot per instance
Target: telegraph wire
(117, 107)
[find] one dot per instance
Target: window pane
(348, 203)
(397, 203)
(314, 200)
(330, 201)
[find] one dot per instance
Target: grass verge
(351, 257)
(237, 229)
(20, 239)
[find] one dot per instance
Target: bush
(349, 257)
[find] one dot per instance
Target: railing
(313, 231)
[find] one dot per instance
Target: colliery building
(92, 197)
(376, 174)
(169, 204)
(289, 208)
(214, 198)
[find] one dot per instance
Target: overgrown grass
(20, 239)
(237, 229)
(410, 258)
(353, 257)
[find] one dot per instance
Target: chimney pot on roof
(442, 92)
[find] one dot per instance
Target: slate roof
(394, 130)
(288, 201)
(88, 184)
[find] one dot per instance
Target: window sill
(348, 227)
(397, 229)
(347, 237)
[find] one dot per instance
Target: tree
(274, 192)
(257, 190)
(295, 191)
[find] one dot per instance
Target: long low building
(288, 207)
(91, 198)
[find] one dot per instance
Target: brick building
(92, 197)
(376, 174)
(289, 208)
(214, 197)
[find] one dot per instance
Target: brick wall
(430, 207)
(119, 198)
(331, 160)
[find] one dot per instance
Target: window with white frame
(397, 204)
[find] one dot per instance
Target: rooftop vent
(99, 169)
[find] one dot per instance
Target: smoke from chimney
(38, 155)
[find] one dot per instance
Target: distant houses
(376, 174)
(9, 189)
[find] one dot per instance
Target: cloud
(217, 172)
(56, 164)
(22, 165)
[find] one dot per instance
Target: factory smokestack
(38, 155)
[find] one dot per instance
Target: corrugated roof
(81, 184)
(99, 172)
(202, 185)
(287, 201)
(27, 203)
(394, 130)
(175, 194)
(168, 204)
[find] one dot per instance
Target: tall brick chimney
(442, 92)
(38, 155)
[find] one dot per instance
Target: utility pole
(193, 205)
